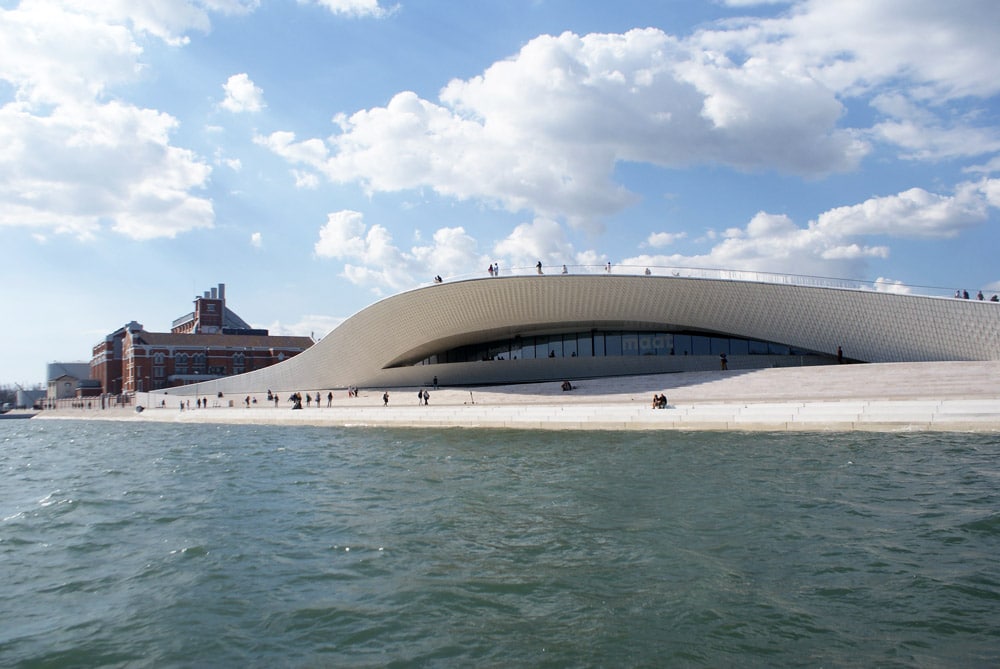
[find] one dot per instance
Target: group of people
(964, 295)
(494, 270)
(200, 403)
(659, 401)
(296, 398)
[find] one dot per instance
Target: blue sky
(317, 155)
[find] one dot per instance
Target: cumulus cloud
(660, 239)
(834, 243)
(840, 242)
(73, 161)
(913, 213)
(372, 258)
(84, 164)
(543, 130)
(256, 240)
(542, 240)
(884, 285)
(242, 95)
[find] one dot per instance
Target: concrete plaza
(936, 396)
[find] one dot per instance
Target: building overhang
(370, 347)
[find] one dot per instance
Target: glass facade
(611, 343)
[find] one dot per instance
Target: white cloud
(542, 131)
(921, 135)
(884, 285)
(542, 240)
(242, 95)
(306, 180)
(50, 54)
(354, 8)
(74, 161)
(992, 166)
(834, 244)
(309, 152)
(373, 259)
(83, 165)
(660, 239)
(342, 236)
(256, 240)
(912, 213)
(931, 49)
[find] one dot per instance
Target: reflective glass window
(612, 344)
(569, 346)
(720, 345)
(555, 346)
(541, 347)
(630, 343)
(663, 343)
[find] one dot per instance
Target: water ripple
(192, 545)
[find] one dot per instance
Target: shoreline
(885, 397)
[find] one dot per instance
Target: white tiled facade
(869, 326)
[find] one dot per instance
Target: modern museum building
(517, 329)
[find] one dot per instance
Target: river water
(134, 545)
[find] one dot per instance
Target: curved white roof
(870, 326)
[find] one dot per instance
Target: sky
(319, 155)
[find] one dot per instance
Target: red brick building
(208, 343)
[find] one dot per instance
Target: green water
(157, 545)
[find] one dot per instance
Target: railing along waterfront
(716, 274)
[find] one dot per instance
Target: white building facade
(537, 328)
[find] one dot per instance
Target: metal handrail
(711, 273)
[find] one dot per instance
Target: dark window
(701, 345)
(720, 345)
(630, 344)
(582, 344)
(541, 347)
(663, 343)
(612, 344)
(555, 346)
(569, 346)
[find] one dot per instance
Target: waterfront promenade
(938, 396)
